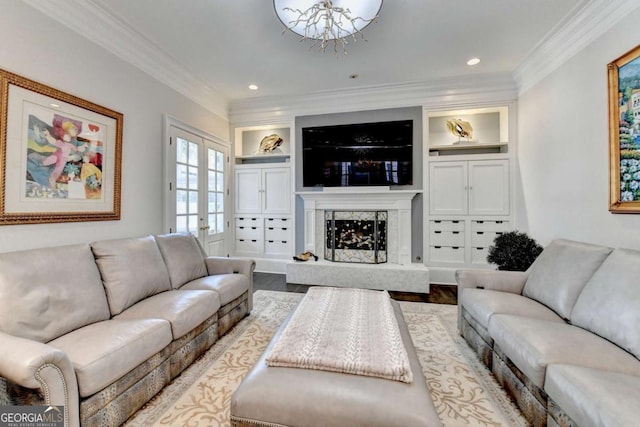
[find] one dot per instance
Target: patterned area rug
(463, 390)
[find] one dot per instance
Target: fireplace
(356, 236)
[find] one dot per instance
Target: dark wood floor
(439, 294)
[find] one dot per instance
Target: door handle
(206, 227)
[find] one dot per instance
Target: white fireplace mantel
(359, 198)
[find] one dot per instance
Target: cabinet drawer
(446, 225)
(446, 254)
(276, 247)
(483, 239)
(248, 233)
(248, 221)
(249, 246)
(481, 225)
(446, 238)
(479, 255)
(278, 222)
(276, 233)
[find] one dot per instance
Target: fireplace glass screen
(356, 236)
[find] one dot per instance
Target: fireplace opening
(356, 236)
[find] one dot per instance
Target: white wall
(41, 49)
(563, 148)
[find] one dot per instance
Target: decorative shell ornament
(460, 128)
(305, 256)
(269, 143)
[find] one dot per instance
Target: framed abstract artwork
(624, 133)
(60, 155)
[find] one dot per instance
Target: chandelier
(328, 22)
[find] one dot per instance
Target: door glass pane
(211, 180)
(211, 205)
(181, 224)
(219, 223)
(193, 202)
(193, 178)
(181, 151)
(193, 154)
(220, 181)
(219, 161)
(181, 176)
(181, 202)
(193, 224)
(219, 202)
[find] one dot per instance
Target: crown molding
(101, 27)
(465, 91)
(588, 21)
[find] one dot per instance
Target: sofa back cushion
(183, 257)
(560, 272)
(46, 293)
(609, 304)
(131, 269)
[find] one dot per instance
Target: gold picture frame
(60, 155)
(624, 133)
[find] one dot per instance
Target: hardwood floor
(439, 294)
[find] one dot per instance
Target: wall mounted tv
(363, 154)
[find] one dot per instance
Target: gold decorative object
(324, 22)
(270, 143)
(461, 129)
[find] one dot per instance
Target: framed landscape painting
(60, 155)
(624, 133)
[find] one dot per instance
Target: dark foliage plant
(513, 251)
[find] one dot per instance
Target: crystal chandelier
(328, 22)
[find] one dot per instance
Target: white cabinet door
(276, 191)
(248, 192)
(448, 188)
(489, 187)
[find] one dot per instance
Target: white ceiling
(228, 44)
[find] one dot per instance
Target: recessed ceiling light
(253, 87)
(473, 61)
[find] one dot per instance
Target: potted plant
(513, 251)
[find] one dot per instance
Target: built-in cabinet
(477, 187)
(470, 200)
(263, 199)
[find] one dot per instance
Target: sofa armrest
(503, 281)
(224, 265)
(35, 365)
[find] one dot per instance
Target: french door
(198, 190)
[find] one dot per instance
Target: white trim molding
(100, 26)
(591, 19)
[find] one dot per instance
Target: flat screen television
(363, 154)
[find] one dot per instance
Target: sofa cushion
(484, 303)
(103, 352)
(132, 269)
(183, 309)
(45, 293)
(228, 286)
(532, 344)
(184, 259)
(594, 397)
(609, 304)
(560, 272)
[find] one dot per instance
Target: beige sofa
(100, 328)
(563, 338)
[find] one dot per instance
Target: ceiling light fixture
(253, 87)
(327, 21)
(473, 61)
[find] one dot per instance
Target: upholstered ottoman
(283, 396)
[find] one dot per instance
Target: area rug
(463, 390)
